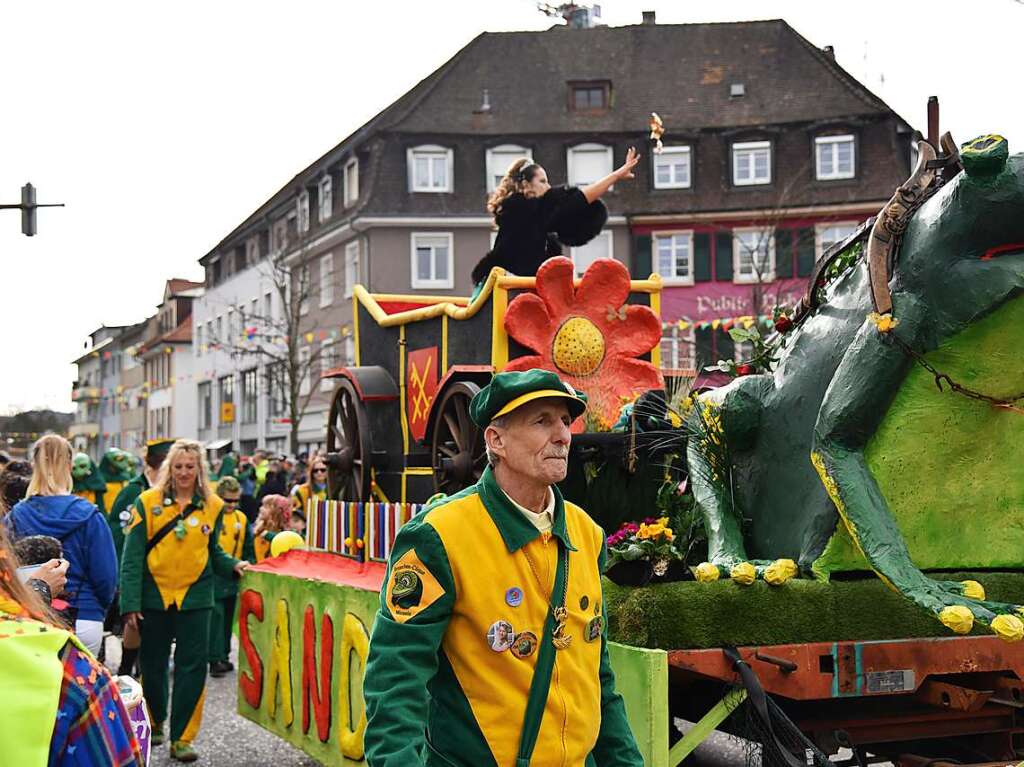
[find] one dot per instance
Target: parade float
(824, 553)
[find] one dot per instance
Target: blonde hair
(514, 180)
(51, 466)
(165, 479)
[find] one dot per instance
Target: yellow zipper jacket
(442, 686)
(178, 571)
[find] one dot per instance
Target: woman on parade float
(236, 540)
(535, 219)
(60, 706)
(170, 556)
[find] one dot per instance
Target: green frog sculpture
(887, 436)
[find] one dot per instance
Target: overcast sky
(163, 125)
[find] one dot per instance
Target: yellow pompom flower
(884, 322)
(973, 589)
(958, 618)
(706, 572)
(743, 573)
(1009, 628)
(780, 571)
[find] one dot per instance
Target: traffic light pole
(28, 206)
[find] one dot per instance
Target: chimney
(933, 121)
(649, 18)
(829, 51)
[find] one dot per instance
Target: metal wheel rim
(348, 446)
(457, 447)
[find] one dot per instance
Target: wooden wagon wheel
(457, 449)
(348, 446)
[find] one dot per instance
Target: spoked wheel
(457, 449)
(348, 446)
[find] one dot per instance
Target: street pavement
(226, 739)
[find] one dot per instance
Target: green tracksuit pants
(221, 622)
(190, 629)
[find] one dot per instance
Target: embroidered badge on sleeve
(412, 588)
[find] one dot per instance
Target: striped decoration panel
(356, 529)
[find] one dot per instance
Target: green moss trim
(691, 615)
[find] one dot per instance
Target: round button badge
(514, 597)
(525, 644)
(500, 636)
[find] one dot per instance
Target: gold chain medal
(559, 638)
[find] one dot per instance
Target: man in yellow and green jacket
(236, 540)
(483, 590)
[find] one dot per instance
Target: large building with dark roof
(772, 151)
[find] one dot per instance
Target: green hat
(158, 448)
(507, 391)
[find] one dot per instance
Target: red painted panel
(420, 388)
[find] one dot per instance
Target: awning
(217, 444)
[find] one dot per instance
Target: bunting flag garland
(724, 323)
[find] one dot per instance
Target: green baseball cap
(508, 391)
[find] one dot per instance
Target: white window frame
(279, 235)
(831, 142)
(327, 361)
(496, 172)
(679, 348)
(351, 267)
(608, 235)
(305, 352)
(445, 284)
(768, 235)
(349, 350)
(433, 151)
(672, 279)
(326, 285)
(571, 162)
(819, 231)
(325, 198)
(350, 182)
(750, 147)
(682, 150)
(302, 212)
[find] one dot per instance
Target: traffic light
(28, 210)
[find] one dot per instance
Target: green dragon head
(117, 465)
(81, 466)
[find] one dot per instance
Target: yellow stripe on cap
(522, 399)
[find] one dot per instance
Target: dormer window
(252, 251)
(834, 157)
(430, 169)
(593, 96)
(302, 211)
(500, 158)
(751, 163)
(326, 199)
(350, 182)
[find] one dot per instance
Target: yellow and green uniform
(173, 587)
(122, 511)
(236, 540)
(442, 685)
(261, 545)
(302, 493)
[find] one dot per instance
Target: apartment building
(771, 152)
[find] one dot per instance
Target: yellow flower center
(579, 347)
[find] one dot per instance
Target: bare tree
(283, 341)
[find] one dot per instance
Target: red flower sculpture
(587, 335)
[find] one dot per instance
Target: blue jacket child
(88, 547)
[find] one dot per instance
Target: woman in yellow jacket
(315, 485)
(170, 556)
(236, 540)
